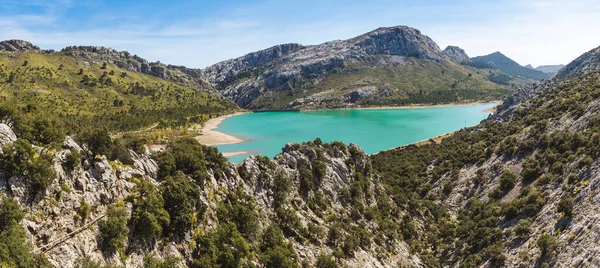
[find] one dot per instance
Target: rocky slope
(319, 217)
(379, 67)
(519, 189)
(590, 61)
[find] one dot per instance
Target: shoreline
(207, 135)
(211, 137)
(416, 106)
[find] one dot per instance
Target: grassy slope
(51, 85)
(418, 81)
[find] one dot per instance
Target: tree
(99, 142)
(149, 218)
(507, 180)
(180, 198)
(113, 230)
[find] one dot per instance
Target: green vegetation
(149, 218)
(14, 244)
(498, 61)
(479, 231)
(56, 94)
(418, 82)
(20, 159)
(113, 230)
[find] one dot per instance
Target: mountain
(499, 61)
(517, 190)
(551, 70)
(456, 54)
(387, 66)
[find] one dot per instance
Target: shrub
(565, 205)
(113, 230)
(152, 262)
(522, 229)
(17, 159)
(325, 261)
(84, 210)
(547, 244)
(72, 160)
(507, 181)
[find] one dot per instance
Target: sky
(203, 32)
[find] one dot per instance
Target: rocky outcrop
(590, 61)
(18, 46)
(456, 54)
(58, 228)
(6, 135)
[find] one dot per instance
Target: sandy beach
(210, 137)
(416, 106)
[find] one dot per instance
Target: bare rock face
(18, 46)
(292, 66)
(6, 135)
(456, 54)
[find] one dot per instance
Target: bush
(72, 160)
(152, 262)
(17, 159)
(325, 261)
(275, 251)
(84, 210)
(522, 229)
(14, 252)
(239, 209)
(113, 230)
(565, 206)
(149, 218)
(547, 244)
(224, 247)
(507, 181)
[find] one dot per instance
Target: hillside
(69, 93)
(590, 61)
(501, 62)
(388, 66)
(518, 190)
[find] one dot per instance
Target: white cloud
(536, 32)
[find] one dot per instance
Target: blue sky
(200, 33)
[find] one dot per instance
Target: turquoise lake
(374, 130)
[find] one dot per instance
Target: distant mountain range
(389, 66)
(549, 69)
(499, 61)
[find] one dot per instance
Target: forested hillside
(48, 95)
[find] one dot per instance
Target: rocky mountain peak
(456, 54)
(15, 45)
(399, 41)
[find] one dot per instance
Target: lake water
(374, 130)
